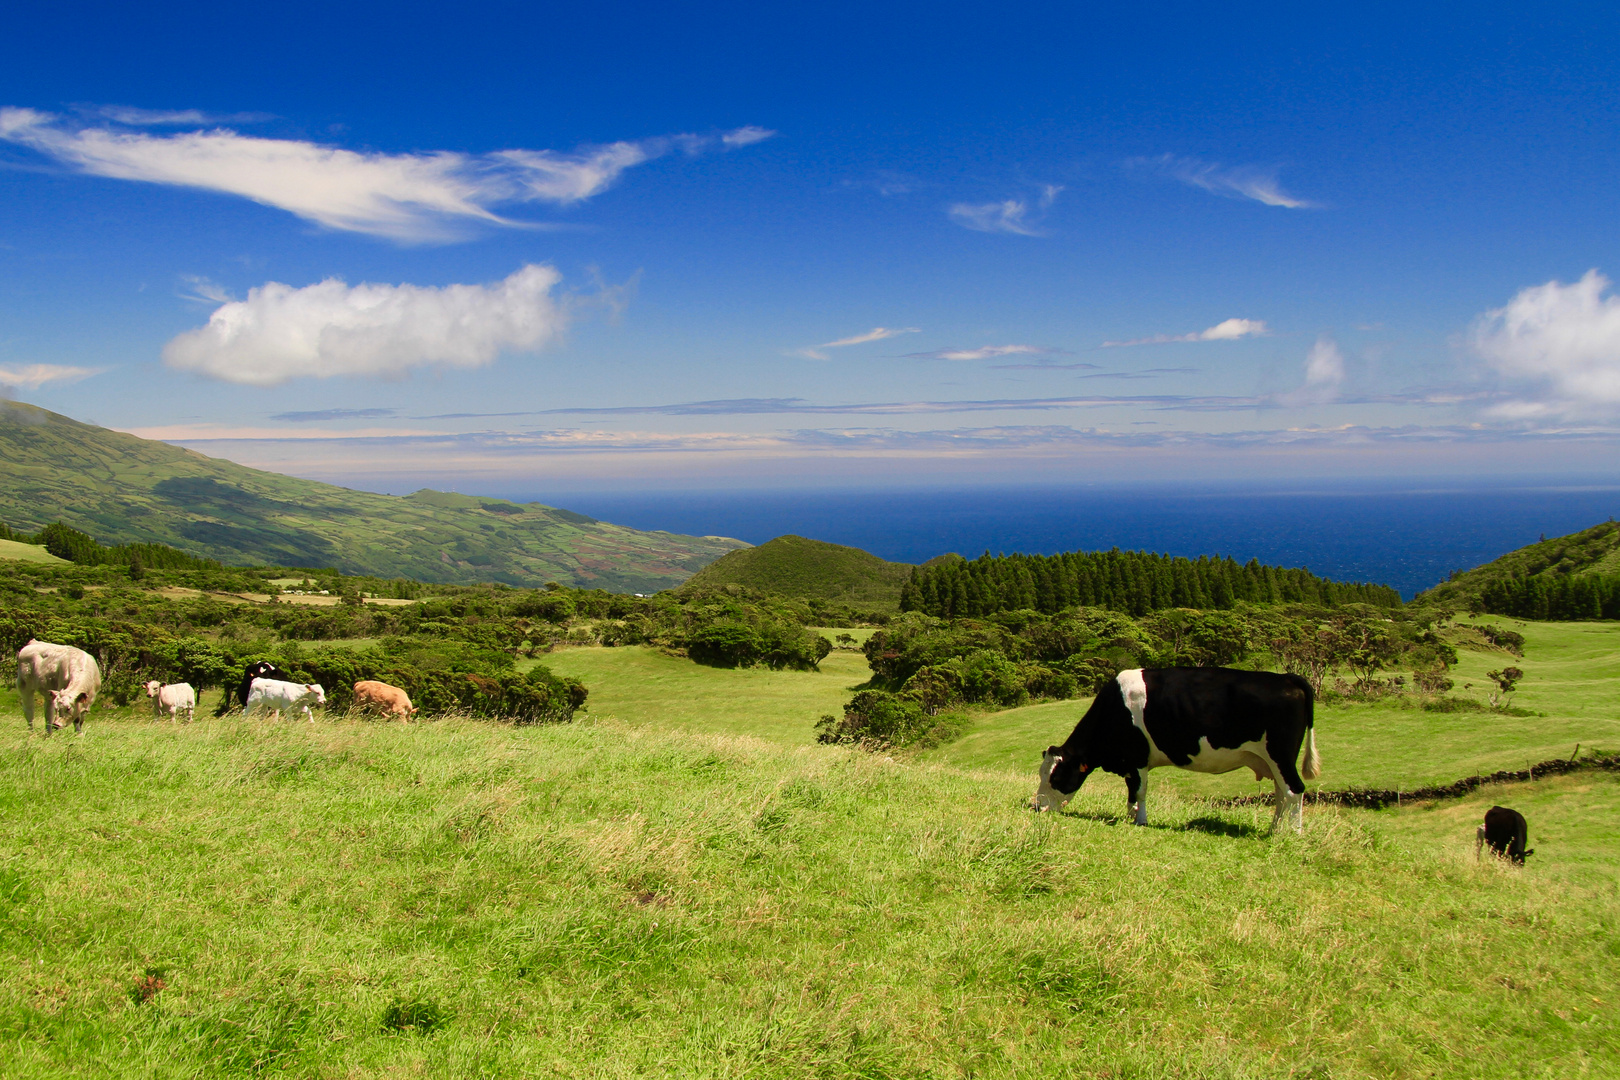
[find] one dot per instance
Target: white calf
(176, 698)
(277, 695)
(69, 678)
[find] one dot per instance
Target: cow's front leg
(1136, 787)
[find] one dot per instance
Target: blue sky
(551, 250)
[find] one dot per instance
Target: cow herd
(1210, 720)
(69, 679)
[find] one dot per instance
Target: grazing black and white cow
(1505, 832)
(259, 669)
(1207, 719)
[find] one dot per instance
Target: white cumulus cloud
(412, 197)
(1557, 347)
(1225, 330)
(331, 328)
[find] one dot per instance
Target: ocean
(1410, 538)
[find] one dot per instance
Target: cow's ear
(1054, 751)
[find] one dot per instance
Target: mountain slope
(1590, 551)
(122, 489)
(796, 566)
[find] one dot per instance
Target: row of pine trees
(1554, 597)
(1134, 582)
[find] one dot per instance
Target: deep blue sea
(1408, 538)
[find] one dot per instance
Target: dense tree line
(923, 666)
(1133, 582)
(77, 547)
(1554, 597)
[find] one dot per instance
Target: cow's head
(152, 687)
(314, 690)
(65, 705)
(1060, 779)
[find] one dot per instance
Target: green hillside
(810, 569)
(121, 489)
(1594, 551)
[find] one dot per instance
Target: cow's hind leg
(27, 697)
(1290, 795)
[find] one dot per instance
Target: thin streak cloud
(877, 333)
(431, 196)
(1234, 182)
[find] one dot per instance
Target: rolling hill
(796, 566)
(122, 489)
(1589, 552)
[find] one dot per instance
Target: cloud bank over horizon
(330, 329)
(412, 197)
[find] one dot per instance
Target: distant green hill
(121, 489)
(1544, 570)
(796, 566)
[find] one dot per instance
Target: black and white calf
(1207, 719)
(259, 669)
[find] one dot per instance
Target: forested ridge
(1134, 582)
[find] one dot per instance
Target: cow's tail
(1311, 766)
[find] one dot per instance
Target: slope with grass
(465, 899)
(13, 549)
(810, 569)
(121, 489)
(1590, 551)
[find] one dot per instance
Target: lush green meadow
(683, 884)
(471, 899)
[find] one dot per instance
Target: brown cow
(371, 694)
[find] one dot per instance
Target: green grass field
(685, 885)
(13, 549)
(641, 685)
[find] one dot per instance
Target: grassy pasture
(606, 899)
(641, 685)
(15, 549)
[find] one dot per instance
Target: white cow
(69, 678)
(175, 698)
(277, 695)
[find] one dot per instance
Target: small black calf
(1505, 833)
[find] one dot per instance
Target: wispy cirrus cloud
(135, 117)
(983, 352)
(33, 376)
(432, 196)
(877, 333)
(331, 328)
(1011, 216)
(1225, 330)
(1324, 374)
(335, 414)
(1556, 348)
(1235, 181)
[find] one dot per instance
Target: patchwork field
(685, 885)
